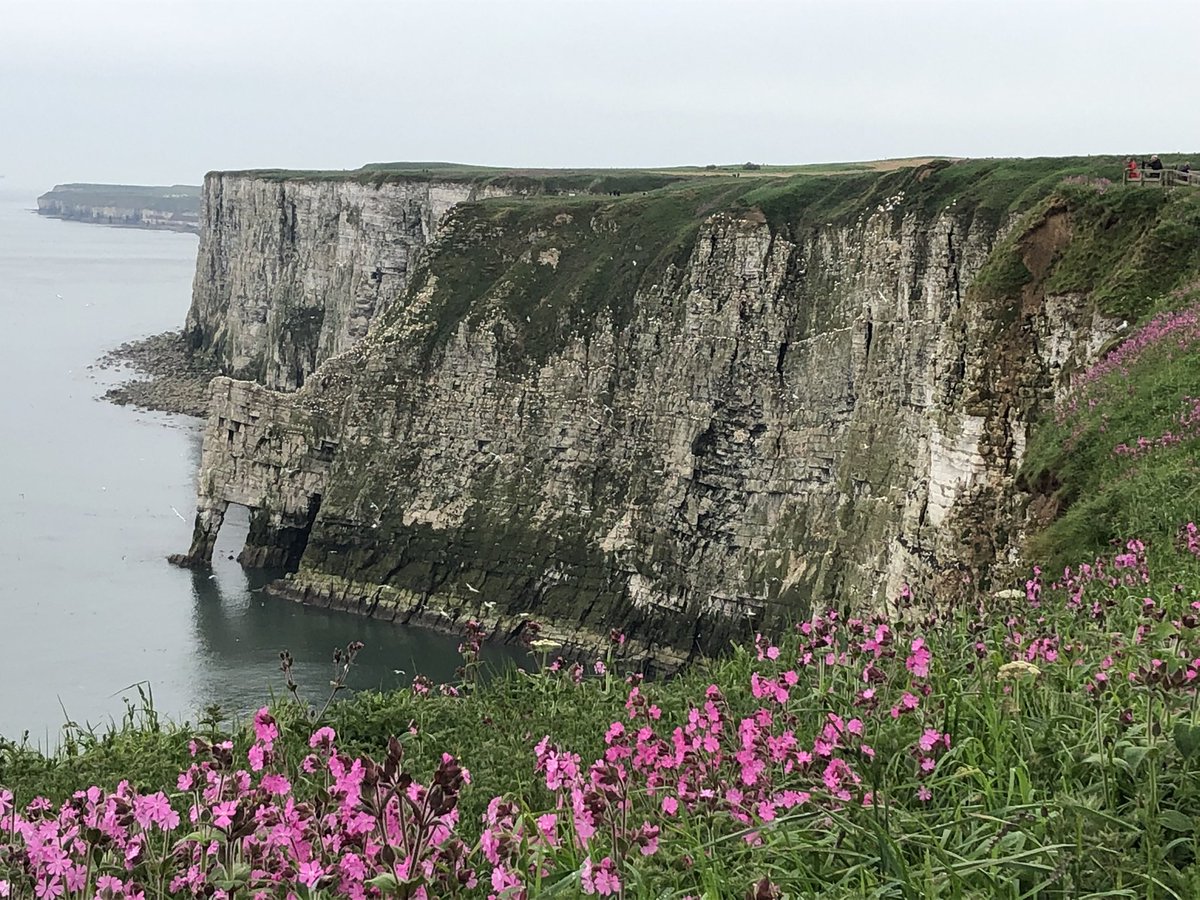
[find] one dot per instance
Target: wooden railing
(1161, 177)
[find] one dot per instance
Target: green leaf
(1187, 739)
(1010, 844)
(1164, 631)
(1174, 820)
(1135, 753)
(386, 882)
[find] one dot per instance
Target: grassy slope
(1094, 493)
(1047, 790)
(1137, 253)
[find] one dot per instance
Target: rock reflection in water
(240, 629)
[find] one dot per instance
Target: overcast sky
(161, 91)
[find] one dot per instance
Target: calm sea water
(88, 498)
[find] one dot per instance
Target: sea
(94, 497)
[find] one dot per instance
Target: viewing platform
(1161, 177)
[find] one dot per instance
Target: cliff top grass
(603, 180)
(546, 180)
(169, 190)
(531, 181)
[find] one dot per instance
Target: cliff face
(174, 208)
(686, 415)
(292, 272)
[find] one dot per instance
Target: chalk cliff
(292, 272)
(687, 414)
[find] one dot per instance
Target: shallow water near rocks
(93, 497)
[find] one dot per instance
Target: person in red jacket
(1131, 170)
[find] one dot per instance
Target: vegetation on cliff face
(557, 261)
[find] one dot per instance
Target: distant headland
(165, 208)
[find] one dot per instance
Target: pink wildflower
(601, 880)
(310, 873)
(276, 784)
(918, 662)
(223, 813)
(257, 756)
(322, 737)
(265, 729)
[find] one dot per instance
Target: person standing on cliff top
(1154, 167)
(1131, 169)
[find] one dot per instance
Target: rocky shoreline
(170, 377)
(114, 222)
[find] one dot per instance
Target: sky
(161, 91)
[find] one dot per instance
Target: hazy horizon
(143, 92)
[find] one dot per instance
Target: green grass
(1130, 246)
(1048, 790)
(551, 267)
(520, 181)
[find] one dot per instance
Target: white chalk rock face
(293, 271)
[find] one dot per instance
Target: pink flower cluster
(1127, 567)
(1189, 429)
(1190, 538)
(370, 826)
(714, 766)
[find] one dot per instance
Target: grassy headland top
(167, 198)
(1002, 185)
